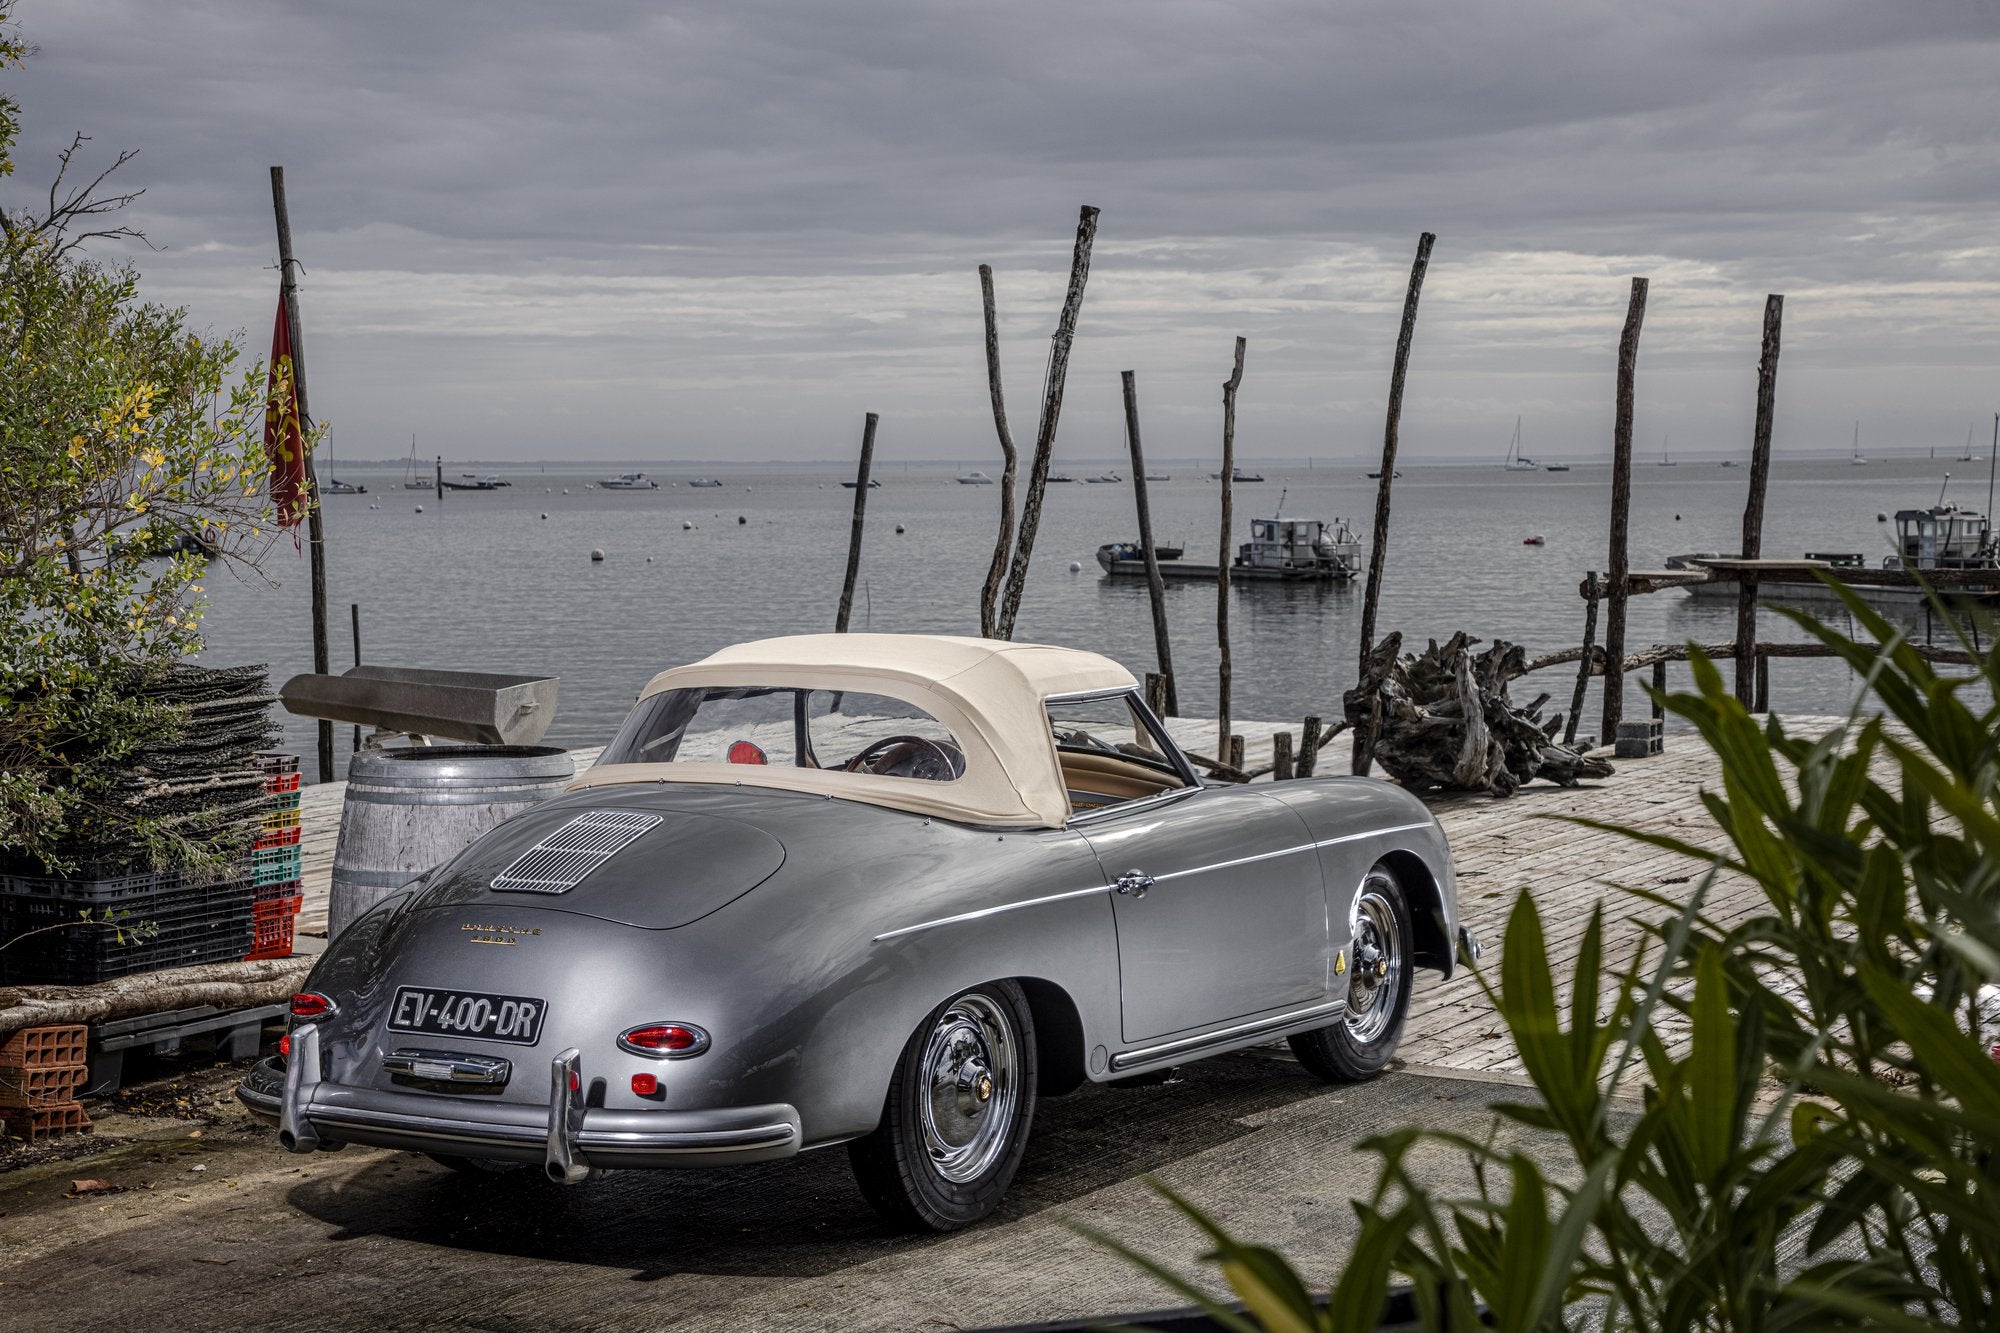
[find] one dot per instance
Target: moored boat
(1280, 550)
(335, 486)
(629, 481)
(706, 484)
(975, 479)
(873, 484)
(1237, 474)
(468, 481)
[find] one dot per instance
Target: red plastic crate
(281, 837)
(279, 783)
(272, 923)
(276, 761)
(40, 1086)
(48, 1121)
(55, 1044)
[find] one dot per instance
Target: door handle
(1134, 882)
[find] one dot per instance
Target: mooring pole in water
(1378, 550)
(437, 492)
(1045, 433)
(1156, 587)
(989, 595)
(1747, 661)
(1229, 388)
(1591, 593)
(860, 519)
(1621, 515)
(315, 530)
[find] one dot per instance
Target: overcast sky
(633, 229)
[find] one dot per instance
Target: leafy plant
(129, 460)
(1814, 1140)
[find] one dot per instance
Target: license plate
(448, 1013)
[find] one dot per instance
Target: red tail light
(666, 1041)
(285, 1044)
(309, 1004)
(646, 1085)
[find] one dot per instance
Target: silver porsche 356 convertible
(879, 890)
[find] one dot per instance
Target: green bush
(1814, 1081)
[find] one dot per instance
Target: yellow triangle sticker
(1340, 962)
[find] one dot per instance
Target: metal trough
(470, 707)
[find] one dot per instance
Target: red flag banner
(284, 436)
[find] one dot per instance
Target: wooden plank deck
(1502, 848)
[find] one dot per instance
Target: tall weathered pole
(1753, 508)
(1229, 387)
(1619, 566)
(1045, 435)
(860, 520)
(989, 596)
(1156, 587)
(1378, 549)
(315, 530)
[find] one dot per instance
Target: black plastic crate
(192, 923)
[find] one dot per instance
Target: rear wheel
(955, 1122)
(1378, 988)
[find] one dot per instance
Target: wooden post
(1590, 593)
(1659, 690)
(1281, 757)
(1045, 435)
(1309, 747)
(1753, 508)
(1621, 514)
(1763, 701)
(1378, 550)
(989, 595)
(1156, 587)
(860, 518)
(1156, 693)
(437, 490)
(354, 615)
(1235, 755)
(315, 529)
(1229, 387)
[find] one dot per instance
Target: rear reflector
(645, 1084)
(308, 1004)
(668, 1041)
(285, 1044)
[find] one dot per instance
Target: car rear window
(803, 728)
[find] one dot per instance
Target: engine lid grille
(561, 861)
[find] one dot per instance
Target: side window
(710, 726)
(1108, 753)
(872, 733)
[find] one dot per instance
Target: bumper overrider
(567, 1137)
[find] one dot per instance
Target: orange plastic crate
(277, 837)
(272, 923)
(56, 1044)
(279, 783)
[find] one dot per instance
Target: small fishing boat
(873, 484)
(1376, 475)
(706, 484)
(1237, 474)
(1060, 476)
(1280, 550)
(629, 481)
(1730, 462)
(468, 481)
(1159, 476)
(975, 479)
(1103, 478)
(335, 486)
(1557, 467)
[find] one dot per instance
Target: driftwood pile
(1442, 719)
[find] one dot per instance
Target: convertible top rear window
(788, 727)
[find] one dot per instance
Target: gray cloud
(683, 230)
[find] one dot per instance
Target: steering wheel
(919, 757)
(1084, 740)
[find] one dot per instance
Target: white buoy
(420, 509)
(565, 490)
(899, 529)
(686, 525)
(596, 557)
(649, 559)
(1075, 568)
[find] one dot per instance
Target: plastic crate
(191, 923)
(48, 1121)
(277, 865)
(265, 893)
(279, 783)
(53, 1044)
(272, 923)
(43, 1085)
(276, 761)
(281, 813)
(277, 837)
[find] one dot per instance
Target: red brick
(31, 1048)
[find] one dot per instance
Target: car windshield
(1109, 752)
(828, 729)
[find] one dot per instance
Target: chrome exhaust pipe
(563, 1163)
(302, 1079)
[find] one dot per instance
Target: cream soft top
(987, 692)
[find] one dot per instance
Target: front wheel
(1378, 988)
(955, 1122)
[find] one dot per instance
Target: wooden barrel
(410, 809)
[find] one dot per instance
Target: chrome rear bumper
(567, 1137)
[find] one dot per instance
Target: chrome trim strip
(1147, 1054)
(482, 1069)
(989, 911)
(1375, 833)
(1238, 861)
(756, 1136)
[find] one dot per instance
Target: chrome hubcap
(971, 1088)
(1377, 976)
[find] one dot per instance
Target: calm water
(482, 581)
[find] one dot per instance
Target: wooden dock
(1502, 848)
